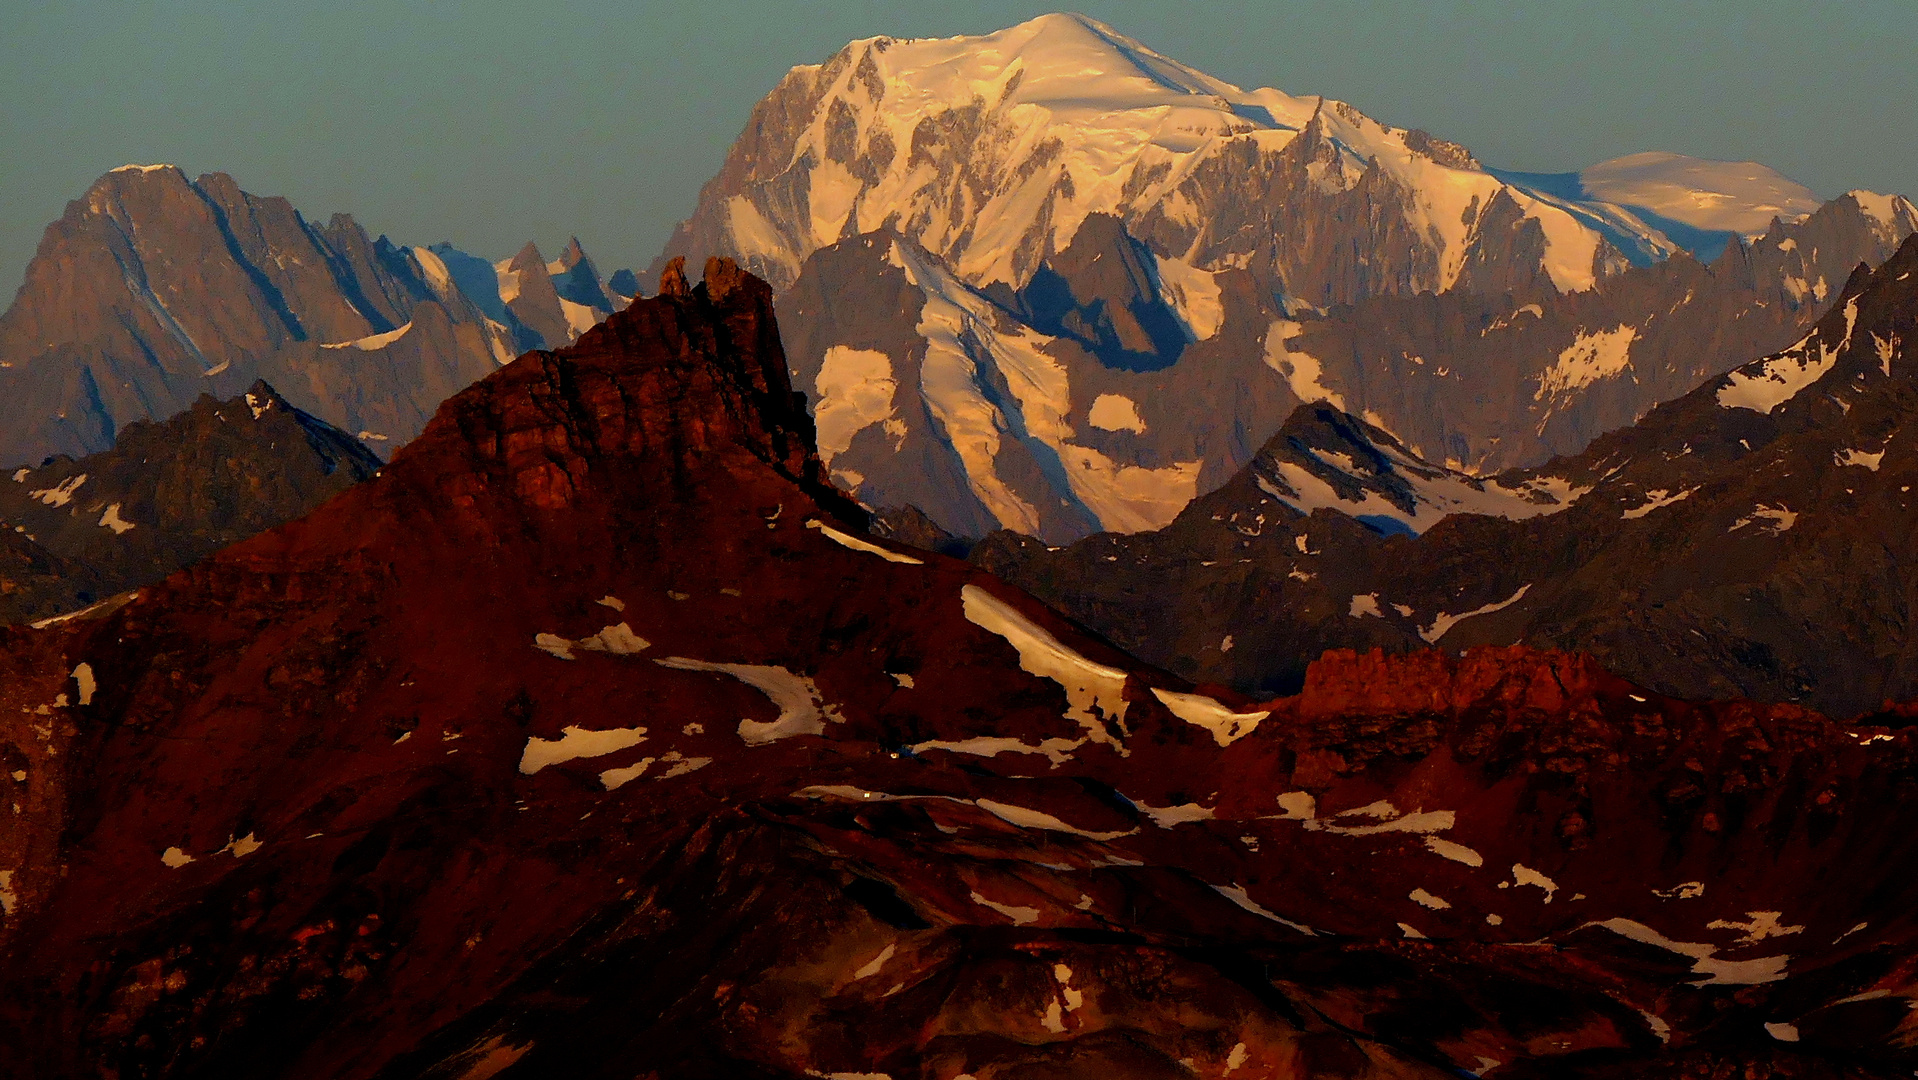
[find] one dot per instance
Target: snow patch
(1238, 895)
(876, 964)
(1115, 412)
(174, 858)
(1770, 519)
(1301, 371)
(1020, 916)
(576, 742)
(1764, 969)
(1389, 820)
(1443, 623)
(855, 389)
(371, 342)
(579, 317)
(1860, 458)
(802, 711)
(1095, 693)
(1057, 750)
(1167, 817)
(1225, 725)
(1594, 355)
(1033, 819)
(1298, 806)
(1458, 853)
(1525, 875)
(1766, 384)
(847, 540)
(112, 520)
(613, 779)
(1194, 294)
(61, 493)
(1655, 499)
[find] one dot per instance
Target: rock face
(1115, 386)
(1749, 539)
(167, 495)
(592, 738)
(154, 289)
(978, 240)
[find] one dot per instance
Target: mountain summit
(991, 151)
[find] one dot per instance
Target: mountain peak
(1101, 105)
(527, 260)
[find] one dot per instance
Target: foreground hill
(1753, 538)
(591, 738)
(165, 496)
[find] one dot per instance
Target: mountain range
(1752, 538)
(682, 775)
(1190, 582)
(154, 289)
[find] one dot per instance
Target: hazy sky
(489, 124)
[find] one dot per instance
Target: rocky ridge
(167, 495)
(1749, 539)
(154, 289)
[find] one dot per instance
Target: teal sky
(490, 124)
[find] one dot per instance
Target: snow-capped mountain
(1751, 538)
(1108, 391)
(1260, 250)
(154, 289)
(991, 151)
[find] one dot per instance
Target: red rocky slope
(591, 739)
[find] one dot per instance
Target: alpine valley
(1107, 575)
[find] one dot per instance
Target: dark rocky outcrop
(167, 495)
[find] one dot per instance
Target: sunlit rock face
(154, 289)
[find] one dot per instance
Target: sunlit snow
(802, 711)
(847, 540)
(1225, 725)
(1766, 384)
(1095, 693)
(576, 742)
(372, 341)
